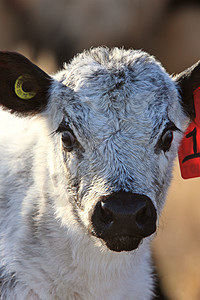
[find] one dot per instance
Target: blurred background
(50, 32)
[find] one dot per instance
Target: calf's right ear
(23, 86)
(189, 81)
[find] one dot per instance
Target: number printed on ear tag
(189, 151)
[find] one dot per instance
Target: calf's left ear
(189, 81)
(23, 86)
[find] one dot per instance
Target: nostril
(107, 215)
(142, 216)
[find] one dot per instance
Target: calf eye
(68, 140)
(166, 140)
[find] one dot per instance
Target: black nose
(124, 216)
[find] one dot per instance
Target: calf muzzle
(123, 219)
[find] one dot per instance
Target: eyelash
(62, 128)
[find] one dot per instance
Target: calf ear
(189, 81)
(23, 86)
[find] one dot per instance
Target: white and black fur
(102, 126)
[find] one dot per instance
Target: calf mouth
(122, 243)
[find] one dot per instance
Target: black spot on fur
(7, 282)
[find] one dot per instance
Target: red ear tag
(189, 151)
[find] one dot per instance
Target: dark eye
(68, 140)
(166, 140)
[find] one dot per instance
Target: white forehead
(117, 89)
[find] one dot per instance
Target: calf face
(129, 125)
(115, 119)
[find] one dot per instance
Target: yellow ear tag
(19, 87)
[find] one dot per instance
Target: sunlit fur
(117, 103)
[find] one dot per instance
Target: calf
(86, 160)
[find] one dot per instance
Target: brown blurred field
(177, 245)
(168, 29)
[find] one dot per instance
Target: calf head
(117, 119)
